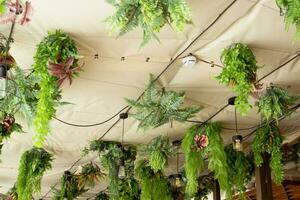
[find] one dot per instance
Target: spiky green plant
(153, 184)
(158, 150)
(33, 164)
(291, 11)
(268, 139)
(275, 103)
(239, 72)
(158, 107)
(56, 47)
(150, 16)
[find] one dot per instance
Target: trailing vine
(239, 72)
(56, 48)
(158, 107)
(33, 164)
(198, 143)
(150, 16)
(158, 150)
(241, 170)
(153, 184)
(291, 11)
(275, 103)
(268, 139)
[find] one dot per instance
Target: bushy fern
(268, 139)
(57, 47)
(150, 16)
(33, 164)
(291, 11)
(158, 107)
(239, 72)
(153, 184)
(275, 103)
(158, 150)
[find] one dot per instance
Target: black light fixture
(237, 139)
(3, 76)
(122, 172)
(176, 179)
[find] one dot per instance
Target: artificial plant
(112, 156)
(128, 189)
(241, 169)
(206, 186)
(158, 107)
(275, 103)
(199, 142)
(239, 72)
(150, 16)
(153, 184)
(33, 164)
(291, 11)
(158, 150)
(102, 196)
(268, 140)
(56, 49)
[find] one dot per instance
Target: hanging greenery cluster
(239, 72)
(268, 139)
(291, 11)
(102, 196)
(112, 156)
(128, 189)
(158, 150)
(33, 164)
(150, 16)
(158, 107)
(55, 56)
(153, 184)
(199, 142)
(206, 186)
(241, 169)
(275, 103)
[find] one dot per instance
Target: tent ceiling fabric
(100, 90)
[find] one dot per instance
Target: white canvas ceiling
(100, 90)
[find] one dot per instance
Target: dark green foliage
(102, 196)
(239, 72)
(194, 158)
(12, 194)
(206, 186)
(150, 16)
(241, 169)
(160, 107)
(158, 150)
(89, 175)
(291, 11)
(268, 139)
(128, 189)
(153, 184)
(57, 47)
(112, 156)
(275, 103)
(33, 164)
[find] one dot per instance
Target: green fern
(268, 139)
(158, 150)
(150, 16)
(160, 107)
(239, 72)
(33, 164)
(56, 47)
(291, 11)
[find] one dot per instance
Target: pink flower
(201, 141)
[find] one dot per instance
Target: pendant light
(122, 171)
(176, 179)
(3, 76)
(237, 140)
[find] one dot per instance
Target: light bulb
(121, 173)
(237, 142)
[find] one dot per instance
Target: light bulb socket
(231, 101)
(123, 115)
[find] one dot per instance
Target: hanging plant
(199, 142)
(89, 175)
(241, 170)
(153, 184)
(56, 52)
(9, 11)
(158, 150)
(239, 72)
(102, 196)
(112, 156)
(160, 107)
(128, 189)
(291, 11)
(268, 139)
(275, 103)
(33, 164)
(206, 186)
(150, 16)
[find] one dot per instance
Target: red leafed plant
(201, 141)
(10, 10)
